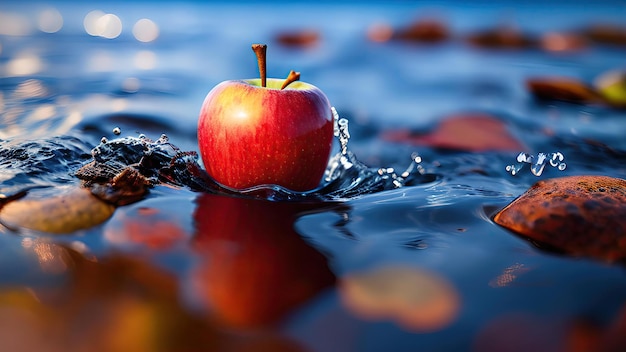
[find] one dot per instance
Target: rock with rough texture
(577, 215)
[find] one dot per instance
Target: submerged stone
(577, 215)
(70, 210)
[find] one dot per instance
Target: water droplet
(539, 165)
(117, 131)
(555, 159)
(335, 121)
(142, 136)
(341, 132)
(104, 140)
(524, 158)
(163, 139)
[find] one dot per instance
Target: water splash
(158, 161)
(345, 176)
(537, 163)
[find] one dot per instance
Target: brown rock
(578, 215)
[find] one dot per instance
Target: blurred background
(417, 267)
(91, 57)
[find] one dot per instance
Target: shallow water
(60, 93)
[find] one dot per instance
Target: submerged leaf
(467, 132)
(578, 215)
(416, 299)
(564, 89)
(612, 86)
(71, 210)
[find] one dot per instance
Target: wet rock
(577, 215)
(123, 169)
(70, 210)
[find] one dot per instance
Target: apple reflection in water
(255, 268)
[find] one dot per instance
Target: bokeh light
(131, 85)
(24, 64)
(90, 22)
(14, 24)
(50, 21)
(100, 24)
(145, 30)
(109, 26)
(101, 61)
(145, 60)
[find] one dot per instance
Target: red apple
(266, 131)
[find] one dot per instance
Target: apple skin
(254, 268)
(250, 135)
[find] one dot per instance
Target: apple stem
(293, 76)
(260, 50)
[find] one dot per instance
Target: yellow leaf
(72, 209)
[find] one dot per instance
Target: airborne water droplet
(341, 131)
(539, 165)
(416, 158)
(524, 158)
(163, 139)
(335, 121)
(555, 159)
(117, 131)
(104, 140)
